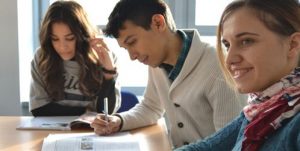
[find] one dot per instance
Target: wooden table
(152, 138)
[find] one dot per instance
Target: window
(133, 75)
(25, 30)
(203, 8)
(200, 14)
(207, 16)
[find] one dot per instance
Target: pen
(106, 109)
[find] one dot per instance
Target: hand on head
(102, 127)
(104, 55)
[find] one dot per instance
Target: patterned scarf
(268, 109)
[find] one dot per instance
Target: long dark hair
(51, 65)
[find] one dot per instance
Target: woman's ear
(158, 22)
(294, 44)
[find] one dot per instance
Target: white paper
(123, 141)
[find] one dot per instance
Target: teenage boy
(185, 81)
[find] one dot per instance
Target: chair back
(128, 100)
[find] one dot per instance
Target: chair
(128, 100)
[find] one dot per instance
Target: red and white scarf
(266, 110)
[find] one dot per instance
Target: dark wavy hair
(279, 16)
(51, 65)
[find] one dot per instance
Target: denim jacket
(286, 138)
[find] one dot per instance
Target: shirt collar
(173, 71)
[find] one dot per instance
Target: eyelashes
(67, 38)
(240, 44)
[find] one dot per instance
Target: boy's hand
(102, 127)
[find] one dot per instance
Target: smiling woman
(248, 53)
(260, 57)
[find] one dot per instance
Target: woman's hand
(105, 56)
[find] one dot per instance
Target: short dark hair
(139, 12)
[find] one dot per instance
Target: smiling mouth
(236, 74)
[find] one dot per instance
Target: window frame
(179, 8)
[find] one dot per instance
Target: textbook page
(58, 122)
(47, 123)
(122, 141)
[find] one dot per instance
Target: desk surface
(152, 138)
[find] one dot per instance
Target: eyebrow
(245, 33)
(240, 35)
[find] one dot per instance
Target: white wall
(9, 65)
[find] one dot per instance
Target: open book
(122, 141)
(58, 122)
